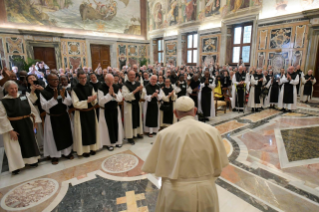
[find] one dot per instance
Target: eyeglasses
(82, 78)
(54, 79)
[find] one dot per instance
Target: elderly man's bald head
(153, 80)
(109, 79)
(310, 72)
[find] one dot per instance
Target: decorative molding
(240, 19)
(294, 17)
(210, 31)
(311, 13)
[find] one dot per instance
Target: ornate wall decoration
(212, 7)
(280, 38)
(122, 49)
(262, 39)
(170, 48)
(261, 59)
(2, 56)
(171, 60)
(65, 59)
(278, 61)
(14, 45)
(296, 58)
(133, 61)
(299, 36)
(122, 60)
(74, 48)
(13, 63)
(142, 51)
(208, 59)
(209, 45)
(75, 62)
(132, 50)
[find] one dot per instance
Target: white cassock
(212, 105)
(267, 98)
(12, 147)
(128, 128)
(302, 96)
(189, 164)
(33, 98)
(251, 99)
(49, 145)
(148, 98)
(103, 128)
(294, 82)
(167, 99)
(78, 146)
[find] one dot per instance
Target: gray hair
(8, 83)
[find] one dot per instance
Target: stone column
(179, 49)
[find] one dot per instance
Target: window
(241, 43)
(192, 42)
(160, 52)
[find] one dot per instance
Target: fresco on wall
(189, 10)
(171, 48)
(212, 7)
(172, 12)
(296, 58)
(232, 6)
(117, 16)
(158, 16)
(280, 38)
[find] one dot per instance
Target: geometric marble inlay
(301, 144)
(119, 163)
(29, 194)
(298, 146)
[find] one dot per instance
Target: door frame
(55, 45)
(113, 51)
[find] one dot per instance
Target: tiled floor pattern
(256, 192)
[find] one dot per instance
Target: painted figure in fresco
(211, 7)
(281, 6)
(172, 13)
(158, 19)
(238, 4)
(191, 8)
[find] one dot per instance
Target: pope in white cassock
(189, 156)
(58, 139)
(153, 94)
(132, 93)
(110, 121)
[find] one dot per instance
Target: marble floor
(274, 166)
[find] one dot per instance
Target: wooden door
(316, 74)
(46, 54)
(100, 54)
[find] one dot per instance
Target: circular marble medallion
(29, 194)
(119, 163)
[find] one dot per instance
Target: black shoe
(283, 110)
(261, 108)
(118, 145)
(289, 111)
(55, 161)
(154, 133)
(139, 136)
(131, 141)
(86, 155)
(253, 110)
(34, 165)
(16, 172)
(92, 152)
(110, 148)
(234, 110)
(206, 119)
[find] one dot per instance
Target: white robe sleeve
(67, 100)
(234, 80)
(104, 99)
(303, 80)
(48, 104)
(189, 90)
(295, 81)
(147, 98)
(283, 80)
(5, 125)
(314, 81)
(268, 84)
(160, 95)
(32, 96)
(77, 103)
(127, 95)
(95, 101)
(212, 85)
(177, 89)
(253, 81)
(119, 97)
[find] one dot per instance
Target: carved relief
(280, 38)
(132, 50)
(209, 45)
(261, 60)
(14, 45)
(207, 59)
(171, 48)
(262, 39)
(75, 62)
(300, 36)
(171, 60)
(296, 58)
(278, 61)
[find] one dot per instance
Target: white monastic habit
(148, 99)
(12, 147)
(77, 135)
(49, 145)
(234, 91)
(33, 98)
(211, 85)
(166, 99)
(251, 99)
(188, 156)
(103, 128)
(128, 128)
(267, 98)
(302, 96)
(178, 89)
(294, 82)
